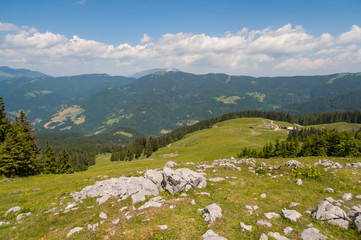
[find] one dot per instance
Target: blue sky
(259, 38)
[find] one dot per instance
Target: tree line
(20, 154)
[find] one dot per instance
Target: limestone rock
(263, 195)
(356, 165)
(74, 230)
(246, 227)
(4, 223)
(103, 215)
(312, 234)
(325, 211)
(358, 223)
(271, 215)
(155, 176)
(163, 227)
(12, 210)
(347, 196)
(264, 223)
(170, 164)
(217, 179)
(150, 204)
(287, 230)
(210, 235)
(182, 179)
(293, 204)
(102, 199)
(354, 211)
(299, 181)
(212, 212)
(277, 236)
(291, 215)
(293, 163)
(22, 215)
(330, 190)
(263, 237)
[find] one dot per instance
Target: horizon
(266, 38)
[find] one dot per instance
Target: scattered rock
(4, 223)
(184, 195)
(74, 230)
(356, 165)
(299, 181)
(312, 234)
(217, 179)
(277, 236)
(102, 199)
(71, 205)
(163, 227)
(325, 211)
(182, 179)
(330, 190)
(102, 215)
(246, 227)
(347, 196)
(22, 215)
(287, 230)
(263, 195)
(123, 209)
(264, 223)
(12, 210)
(294, 204)
(150, 204)
(170, 164)
(93, 227)
(293, 163)
(271, 215)
(210, 235)
(193, 202)
(358, 223)
(116, 221)
(354, 211)
(263, 237)
(212, 212)
(155, 176)
(358, 197)
(291, 215)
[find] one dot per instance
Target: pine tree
(50, 161)
(64, 163)
(4, 121)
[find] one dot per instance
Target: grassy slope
(41, 193)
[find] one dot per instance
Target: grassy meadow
(39, 194)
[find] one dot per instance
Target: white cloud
(254, 52)
(145, 38)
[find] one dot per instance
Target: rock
(354, 211)
(287, 230)
(293, 163)
(263, 195)
(150, 204)
(123, 209)
(330, 190)
(358, 197)
(347, 196)
(263, 237)
(217, 179)
(170, 164)
(205, 193)
(328, 164)
(277, 236)
(93, 227)
(102, 199)
(184, 195)
(212, 212)
(358, 223)
(210, 235)
(293, 204)
(291, 215)
(116, 221)
(264, 223)
(71, 205)
(312, 234)
(155, 176)
(135, 187)
(356, 165)
(325, 211)
(246, 227)
(102, 215)
(299, 181)
(182, 179)
(263, 164)
(163, 227)
(22, 215)
(12, 210)
(74, 230)
(271, 215)
(4, 223)
(193, 202)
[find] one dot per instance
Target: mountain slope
(7, 73)
(158, 102)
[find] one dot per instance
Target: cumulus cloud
(255, 52)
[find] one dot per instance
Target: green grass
(39, 194)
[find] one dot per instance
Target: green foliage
(310, 172)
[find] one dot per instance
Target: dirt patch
(170, 155)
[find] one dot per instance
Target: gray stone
(163, 227)
(277, 236)
(330, 190)
(334, 215)
(22, 215)
(116, 221)
(4, 223)
(271, 215)
(328, 164)
(150, 204)
(103, 215)
(347, 196)
(287, 230)
(299, 181)
(210, 235)
(263, 237)
(246, 227)
(263, 195)
(212, 212)
(74, 230)
(358, 197)
(291, 215)
(293, 204)
(354, 211)
(12, 210)
(312, 234)
(264, 223)
(155, 176)
(102, 199)
(339, 222)
(170, 164)
(293, 163)
(356, 165)
(358, 223)
(217, 179)
(182, 179)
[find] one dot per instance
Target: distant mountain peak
(7, 72)
(154, 70)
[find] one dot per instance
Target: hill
(159, 102)
(48, 198)
(6, 73)
(151, 71)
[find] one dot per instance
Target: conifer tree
(64, 165)
(4, 121)
(50, 161)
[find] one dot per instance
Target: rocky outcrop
(155, 176)
(355, 214)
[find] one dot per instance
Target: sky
(122, 37)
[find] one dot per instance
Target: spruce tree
(4, 121)
(64, 165)
(50, 161)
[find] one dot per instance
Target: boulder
(264, 223)
(212, 212)
(356, 165)
(12, 210)
(287, 230)
(334, 215)
(182, 179)
(312, 234)
(330, 190)
(277, 236)
(217, 179)
(358, 223)
(22, 215)
(299, 181)
(271, 215)
(293, 163)
(245, 227)
(210, 235)
(354, 211)
(347, 196)
(74, 230)
(263, 237)
(291, 215)
(155, 176)
(170, 164)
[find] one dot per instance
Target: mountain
(348, 101)
(151, 71)
(38, 96)
(6, 73)
(159, 102)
